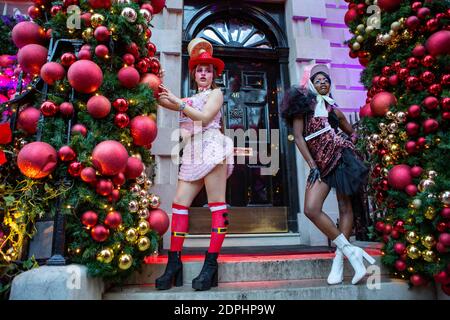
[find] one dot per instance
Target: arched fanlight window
(235, 33)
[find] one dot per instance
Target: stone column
(166, 34)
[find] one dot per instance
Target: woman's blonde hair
(194, 84)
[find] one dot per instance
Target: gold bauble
(390, 115)
(125, 261)
(133, 206)
(87, 34)
(416, 203)
(148, 184)
(382, 126)
(410, 221)
(425, 184)
(401, 116)
(131, 235)
(369, 29)
(143, 227)
(428, 241)
(135, 189)
(411, 269)
(395, 147)
(143, 193)
(291, 137)
(360, 27)
(387, 160)
(430, 213)
(391, 137)
(141, 179)
(395, 25)
(105, 256)
(97, 20)
(437, 140)
(412, 237)
(143, 213)
(375, 138)
(445, 198)
(155, 201)
(12, 253)
(413, 252)
(144, 203)
(356, 46)
(117, 246)
(393, 127)
(372, 148)
(384, 172)
(391, 33)
(429, 255)
(432, 174)
(143, 243)
(387, 143)
(403, 136)
(360, 39)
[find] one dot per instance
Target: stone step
(255, 268)
(307, 289)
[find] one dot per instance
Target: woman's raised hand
(168, 95)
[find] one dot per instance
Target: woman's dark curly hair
(297, 102)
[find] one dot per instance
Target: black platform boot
(208, 277)
(173, 275)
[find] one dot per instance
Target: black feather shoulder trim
(297, 102)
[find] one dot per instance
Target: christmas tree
(405, 46)
(79, 135)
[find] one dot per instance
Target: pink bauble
(411, 147)
(66, 153)
(128, 77)
(400, 176)
(414, 111)
(113, 219)
(153, 82)
(417, 280)
(444, 238)
(66, 109)
(411, 190)
(389, 5)
(365, 111)
(412, 129)
(98, 107)
(89, 218)
(7, 60)
(445, 213)
(100, 4)
(439, 43)
(101, 34)
(28, 120)
(80, 129)
(419, 51)
(381, 103)
(88, 174)
(400, 265)
(412, 23)
(27, 32)
(430, 125)
(101, 51)
(143, 130)
(159, 221)
(119, 179)
(158, 5)
(134, 168)
(399, 248)
(37, 160)
(85, 76)
(104, 187)
(110, 157)
(84, 55)
(52, 72)
(99, 233)
(441, 248)
(128, 59)
(86, 18)
(32, 57)
(431, 103)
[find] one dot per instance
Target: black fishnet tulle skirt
(349, 175)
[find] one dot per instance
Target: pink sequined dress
(204, 147)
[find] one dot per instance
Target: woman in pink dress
(207, 161)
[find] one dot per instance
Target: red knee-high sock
(219, 225)
(179, 227)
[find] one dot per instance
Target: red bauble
(422, 13)
(80, 129)
(84, 55)
(121, 120)
(412, 23)
(439, 43)
(446, 115)
(441, 248)
(28, 120)
(365, 111)
(387, 228)
(395, 234)
(55, 10)
(444, 238)
(98, 107)
(397, 65)
(381, 103)
(27, 32)
(134, 168)
(419, 51)
(441, 277)
(431, 103)
(110, 157)
(115, 196)
(151, 48)
(34, 12)
(389, 5)
(445, 80)
(412, 82)
(101, 51)
(399, 248)
(414, 111)
(89, 218)
(85, 76)
(66, 153)
(100, 4)
(417, 279)
(153, 82)
(120, 105)
(411, 190)
(421, 141)
(403, 73)
(393, 80)
(32, 57)
(88, 175)
(142, 66)
(66, 109)
(411, 147)
(75, 169)
(149, 7)
(133, 49)
(159, 221)
(445, 104)
(143, 131)
(113, 219)
(400, 176)
(104, 187)
(49, 108)
(416, 5)
(412, 129)
(379, 226)
(37, 160)
(350, 16)
(158, 5)
(445, 213)
(101, 34)
(128, 77)
(432, 25)
(99, 233)
(428, 61)
(383, 82)
(52, 72)
(400, 265)
(119, 179)
(435, 89)
(427, 77)
(399, 226)
(430, 125)
(386, 71)
(128, 59)
(412, 62)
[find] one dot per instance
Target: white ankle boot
(355, 256)
(337, 269)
